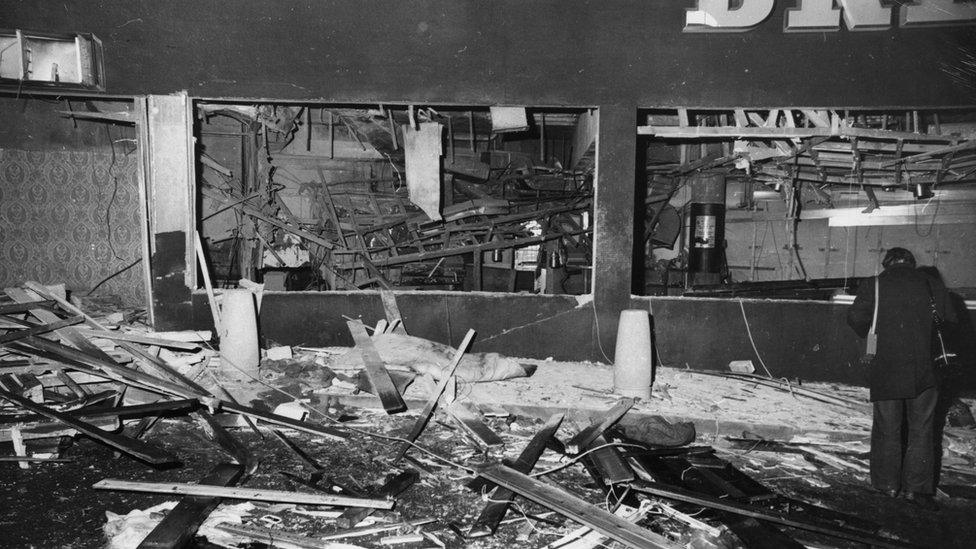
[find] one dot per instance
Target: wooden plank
(158, 366)
(472, 423)
(35, 430)
(392, 311)
(138, 338)
(925, 156)
(112, 369)
(569, 505)
(376, 369)
(394, 487)
(68, 334)
(226, 441)
(609, 462)
(598, 425)
(377, 528)
(182, 406)
(181, 523)
(12, 308)
(268, 537)
(256, 494)
(135, 448)
(226, 394)
(70, 383)
(317, 470)
(31, 459)
(20, 449)
(491, 516)
(425, 414)
(687, 496)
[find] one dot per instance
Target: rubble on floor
(405, 442)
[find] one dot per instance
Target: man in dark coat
(902, 377)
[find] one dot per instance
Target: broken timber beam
(139, 338)
(13, 308)
(687, 496)
(158, 366)
(135, 448)
(35, 329)
(391, 489)
(567, 504)
(112, 369)
(425, 414)
(493, 513)
(267, 537)
(256, 494)
(181, 523)
(599, 425)
(376, 370)
(68, 334)
(181, 406)
(469, 420)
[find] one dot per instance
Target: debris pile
(651, 483)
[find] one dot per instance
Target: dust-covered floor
(54, 505)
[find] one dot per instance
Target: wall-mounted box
(44, 60)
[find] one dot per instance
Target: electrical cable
(599, 341)
(915, 209)
(111, 201)
(113, 275)
(580, 456)
(751, 340)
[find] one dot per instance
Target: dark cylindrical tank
(706, 245)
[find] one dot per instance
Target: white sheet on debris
(127, 531)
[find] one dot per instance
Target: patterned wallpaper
(56, 212)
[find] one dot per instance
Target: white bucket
(633, 364)
(239, 351)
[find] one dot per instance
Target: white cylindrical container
(633, 364)
(239, 351)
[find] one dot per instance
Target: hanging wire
(751, 340)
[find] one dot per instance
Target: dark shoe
(923, 501)
(890, 492)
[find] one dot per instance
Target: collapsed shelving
(328, 190)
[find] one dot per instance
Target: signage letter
(866, 15)
(937, 12)
(813, 16)
(718, 16)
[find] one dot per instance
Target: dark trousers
(913, 469)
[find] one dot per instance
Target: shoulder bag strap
(877, 293)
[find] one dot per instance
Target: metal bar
(567, 504)
(418, 427)
(729, 506)
(133, 447)
(257, 494)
